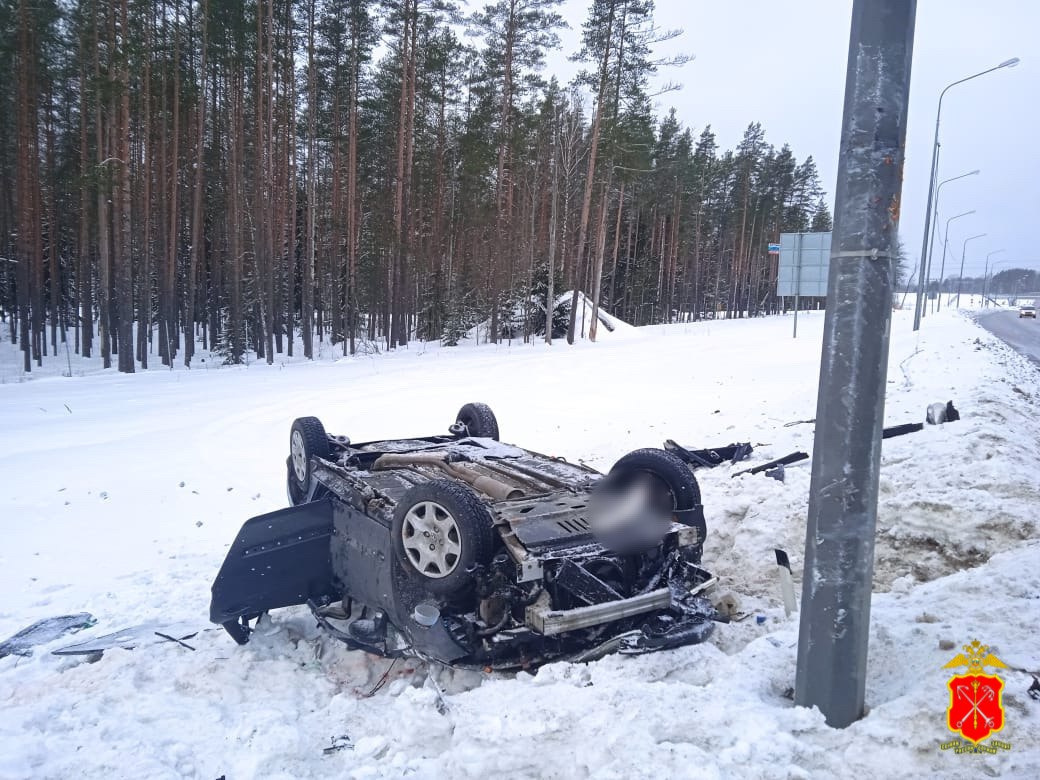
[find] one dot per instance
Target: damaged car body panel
(277, 560)
(467, 551)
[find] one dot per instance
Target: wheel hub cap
(431, 539)
(299, 456)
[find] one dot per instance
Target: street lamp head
(1009, 63)
(974, 172)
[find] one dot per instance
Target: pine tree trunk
(27, 183)
(144, 278)
(123, 255)
(614, 253)
(590, 175)
(601, 243)
(53, 234)
(398, 253)
(550, 292)
(103, 195)
(236, 324)
(289, 288)
(84, 287)
(307, 297)
(170, 292)
(217, 259)
(268, 154)
(353, 208)
(197, 235)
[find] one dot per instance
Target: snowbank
(609, 326)
(122, 493)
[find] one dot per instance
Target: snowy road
(1022, 334)
(121, 494)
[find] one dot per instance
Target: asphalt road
(1022, 335)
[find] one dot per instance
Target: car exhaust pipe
(489, 486)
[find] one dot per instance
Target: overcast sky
(782, 63)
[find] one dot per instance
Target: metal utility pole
(960, 277)
(839, 545)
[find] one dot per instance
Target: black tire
(307, 439)
(672, 471)
(453, 514)
(479, 420)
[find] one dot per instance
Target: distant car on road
(1027, 310)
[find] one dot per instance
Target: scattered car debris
(443, 707)
(935, 414)
(783, 564)
(786, 460)
(180, 642)
(939, 413)
(901, 430)
(342, 742)
(710, 458)
(727, 603)
(43, 631)
(132, 637)
(474, 553)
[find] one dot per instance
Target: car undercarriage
(467, 551)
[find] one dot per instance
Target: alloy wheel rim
(299, 456)
(432, 540)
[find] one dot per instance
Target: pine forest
(254, 177)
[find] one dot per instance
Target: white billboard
(805, 261)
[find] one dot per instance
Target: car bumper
(550, 622)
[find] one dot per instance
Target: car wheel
(307, 439)
(671, 471)
(440, 531)
(479, 420)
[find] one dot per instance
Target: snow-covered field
(121, 493)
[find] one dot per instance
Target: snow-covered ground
(121, 493)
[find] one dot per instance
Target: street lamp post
(960, 277)
(935, 226)
(931, 176)
(993, 268)
(985, 277)
(942, 266)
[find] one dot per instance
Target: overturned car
(467, 551)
